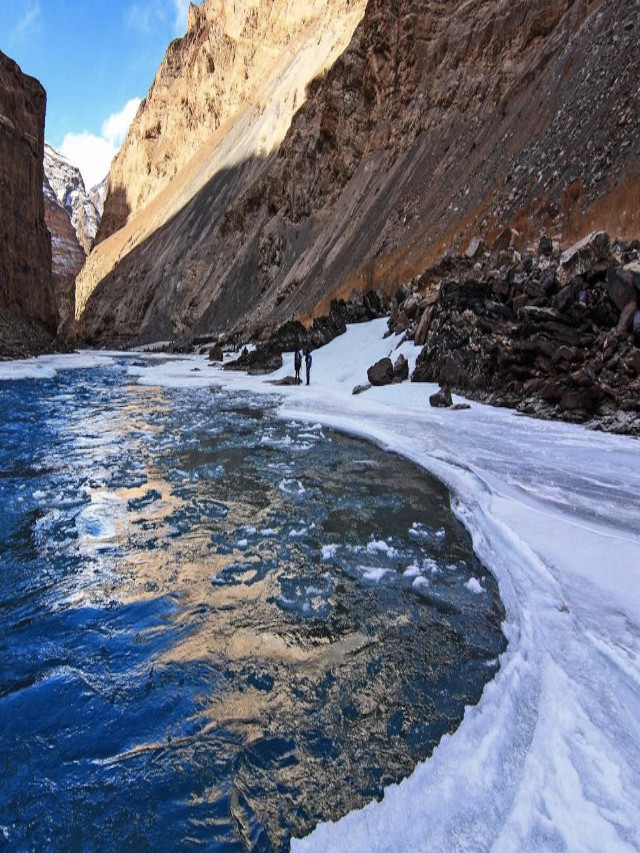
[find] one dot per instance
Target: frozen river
(218, 627)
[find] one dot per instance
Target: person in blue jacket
(307, 363)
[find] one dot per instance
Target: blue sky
(96, 59)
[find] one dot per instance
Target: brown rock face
(26, 288)
(438, 123)
(215, 73)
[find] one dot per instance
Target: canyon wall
(438, 122)
(26, 286)
(235, 56)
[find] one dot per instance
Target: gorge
(223, 622)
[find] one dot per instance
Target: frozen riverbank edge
(550, 757)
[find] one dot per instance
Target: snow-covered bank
(550, 757)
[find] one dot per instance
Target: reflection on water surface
(217, 628)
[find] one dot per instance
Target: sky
(96, 61)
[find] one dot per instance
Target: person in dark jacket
(307, 364)
(297, 363)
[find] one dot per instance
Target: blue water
(217, 628)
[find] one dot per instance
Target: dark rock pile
(553, 335)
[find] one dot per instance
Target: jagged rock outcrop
(72, 219)
(551, 335)
(437, 122)
(97, 195)
(67, 258)
(26, 286)
(67, 183)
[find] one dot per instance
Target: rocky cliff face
(67, 183)
(233, 56)
(26, 287)
(67, 257)
(438, 122)
(72, 219)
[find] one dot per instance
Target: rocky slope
(435, 124)
(556, 335)
(26, 287)
(234, 57)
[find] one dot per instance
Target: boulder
(519, 302)
(423, 327)
(584, 256)
(636, 329)
(360, 389)
(410, 306)
(620, 286)
(265, 362)
(475, 248)
(625, 323)
(216, 353)
(506, 239)
(441, 399)
(564, 299)
(400, 369)
(545, 246)
(381, 373)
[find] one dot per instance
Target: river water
(217, 627)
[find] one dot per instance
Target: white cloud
(115, 128)
(181, 8)
(93, 154)
(26, 22)
(140, 18)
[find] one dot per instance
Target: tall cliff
(67, 183)
(438, 121)
(242, 69)
(26, 286)
(234, 57)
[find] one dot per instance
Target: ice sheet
(550, 757)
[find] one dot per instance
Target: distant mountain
(66, 182)
(98, 193)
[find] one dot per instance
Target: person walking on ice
(297, 363)
(307, 364)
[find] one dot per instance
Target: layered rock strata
(26, 285)
(436, 122)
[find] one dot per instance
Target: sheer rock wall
(26, 285)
